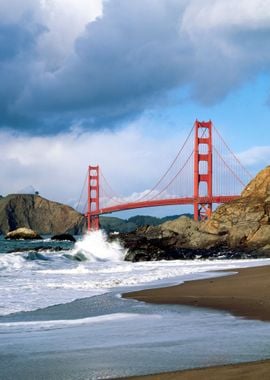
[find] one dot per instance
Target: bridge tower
(93, 198)
(203, 169)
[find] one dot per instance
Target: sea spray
(95, 246)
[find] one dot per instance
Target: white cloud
(66, 21)
(19, 9)
(146, 195)
(128, 60)
(219, 14)
(255, 156)
(56, 165)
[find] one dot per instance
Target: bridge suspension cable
(169, 168)
(202, 173)
(77, 205)
(176, 175)
(232, 153)
(229, 173)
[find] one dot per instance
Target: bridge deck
(165, 202)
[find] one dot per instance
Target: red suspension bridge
(204, 172)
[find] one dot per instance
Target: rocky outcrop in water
(23, 233)
(237, 229)
(64, 237)
(165, 243)
(39, 214)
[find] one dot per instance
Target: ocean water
(61, 318)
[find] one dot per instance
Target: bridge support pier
(203, 169)
(93, 198)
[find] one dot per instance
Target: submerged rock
(36, 256)
(64, 237)
(41, 248)
(77, 257)
(23, 233)
(188, 254)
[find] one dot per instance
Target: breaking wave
(95, 247)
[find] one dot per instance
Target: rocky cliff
(242, 226)
(245, 223)
(39, 214)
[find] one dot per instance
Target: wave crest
(95, 247)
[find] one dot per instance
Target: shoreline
(244, 294)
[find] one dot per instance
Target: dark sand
(246, 371)
(245, 294)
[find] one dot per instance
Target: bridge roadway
(165, 202)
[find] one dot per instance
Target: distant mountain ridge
(114, 224)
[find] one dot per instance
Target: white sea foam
(56, 324)
(95, 247)
(31, 284)
(13, 261)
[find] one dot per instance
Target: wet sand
(247, 371)
(245, 294)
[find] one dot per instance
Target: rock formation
(240, 228)
(23, 233)
(39, 214)
(64, 237)
(245, 223)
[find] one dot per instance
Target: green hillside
(113, 224)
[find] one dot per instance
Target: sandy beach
(245, 293)
(246, 371)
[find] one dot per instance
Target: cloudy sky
(120, 83)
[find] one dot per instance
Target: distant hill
(113, 224)
(39, 214)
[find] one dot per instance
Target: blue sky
(120, 83)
